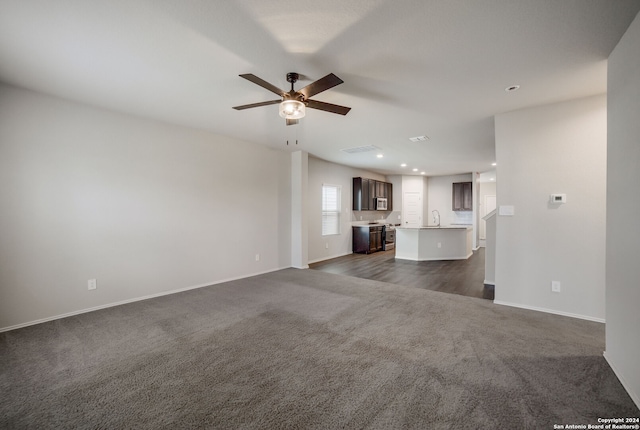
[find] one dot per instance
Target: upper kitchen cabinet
(366, 191)
(462, 196)
(361, 194)
(373, 193)
(389, 194)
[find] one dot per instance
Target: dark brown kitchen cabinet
(361, 194)
(367, 239)
(365, 192)
(375, 238)
(381, 190)
(462, 196)
(373, 193)
(389, 195)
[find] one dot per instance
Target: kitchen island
(452, 242)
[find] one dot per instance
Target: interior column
(299, 204)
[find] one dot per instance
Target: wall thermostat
(558, 198)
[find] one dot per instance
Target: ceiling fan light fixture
(292, 109)
(293, 104)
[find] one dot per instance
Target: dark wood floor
(464, 277)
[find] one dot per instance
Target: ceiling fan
(293, 103)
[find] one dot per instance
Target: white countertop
(377, 224)
(442, 227)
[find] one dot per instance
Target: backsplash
(383, 217)
(461, 217)
(392, 217)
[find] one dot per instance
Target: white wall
(324, 172)
(623, 204)
(143, 207)
(557, 148)
(440, 199)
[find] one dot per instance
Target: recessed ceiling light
(494, 164)
(415, 170)
(403, 165)
(512, 88)
(419, 138)
(422, 173)
(379, 155)
(491, 179)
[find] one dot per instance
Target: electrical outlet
(326, 246)
(92, 284)
(439, 244)
(555, 286)
(257, 257)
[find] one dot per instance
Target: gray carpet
(301, 349)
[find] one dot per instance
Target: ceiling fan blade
(252, 105)
(264, 84)
(291, 121)
(321, 85)
(342, 110)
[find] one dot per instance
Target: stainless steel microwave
(381, 204)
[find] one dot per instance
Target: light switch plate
(558, 198)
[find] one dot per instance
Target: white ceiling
(411, 67)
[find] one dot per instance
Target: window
(330, 209)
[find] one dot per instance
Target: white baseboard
(490, 282)
(634, 396)
(551, 311)
(434, 259)
(136, 299)
(329, 257)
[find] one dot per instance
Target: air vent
(418, 138)
(358, 149)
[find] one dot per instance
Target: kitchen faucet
(436, 217)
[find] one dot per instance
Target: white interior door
(488, 205)
(411, 209)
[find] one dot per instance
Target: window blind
(330, 209)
